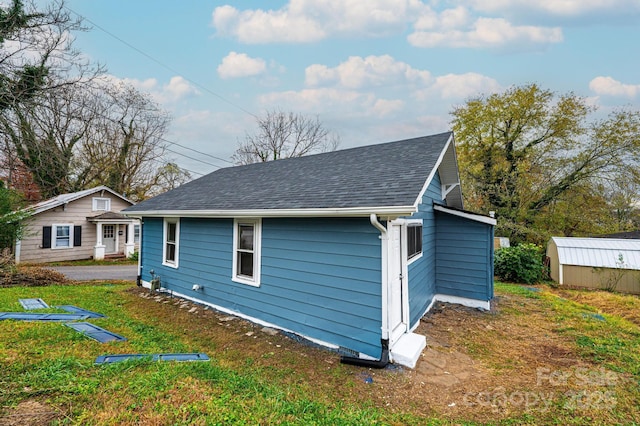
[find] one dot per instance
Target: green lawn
(255, 378)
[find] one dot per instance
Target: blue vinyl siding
(320, 277)
(422, 272)
(464, 259)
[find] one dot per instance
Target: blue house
(348, 249)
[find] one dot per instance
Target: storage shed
(595, 263)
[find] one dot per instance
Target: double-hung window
(414, 240)
(136, 233)
(62, 236)
(170, 249)
(246, 251)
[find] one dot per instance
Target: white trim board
(386, 211)
(433, 172)
(471, 216)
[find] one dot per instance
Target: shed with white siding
(595, 262)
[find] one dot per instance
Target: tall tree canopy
(64, 123)
(543, 164)
(285, 135)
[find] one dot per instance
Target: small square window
(101, 204)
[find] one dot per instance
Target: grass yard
(541, 356)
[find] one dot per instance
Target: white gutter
(391, 211)
(384, 237)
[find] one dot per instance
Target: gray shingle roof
(383, 175)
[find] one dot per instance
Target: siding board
(464, 257)
(320, 277)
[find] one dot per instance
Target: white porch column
(99, 249)
(129, 246)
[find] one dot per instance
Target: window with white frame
(136, 233)
(414, 240)
(246, 251)
(101, 204)
(62, 235)
(171, 240)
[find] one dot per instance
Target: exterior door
(109, 238)
(396, 294)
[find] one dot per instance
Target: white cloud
(559, 8)
(176, 89)
(348, 102)
(611, 87)
(357, 72)
(458, 87)
(487, 32)
(236, 65)
(303, 21)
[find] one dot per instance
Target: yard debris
(94, 332)
(23, 316)
(76, 310)
(180, 357)
(32, 304)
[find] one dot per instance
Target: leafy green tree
(11, 219)
(525, 152)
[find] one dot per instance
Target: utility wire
(176, 72)
(163, 65)
(196, 151)
(193, 158)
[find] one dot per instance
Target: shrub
(520, 264)
(134, 256)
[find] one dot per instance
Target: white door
(109, 238)
(397, 324)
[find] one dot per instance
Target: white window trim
(164, 242)
(410, 222)
(54, 233)
(139, 227)
(94, 204)
(257, 249)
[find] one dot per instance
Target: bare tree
(285, 135)
(37, 53)
(125, 147)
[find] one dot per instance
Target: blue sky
(372, 70)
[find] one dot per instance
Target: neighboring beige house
(595, 263)
(81, 225)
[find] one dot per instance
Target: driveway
(101, 272)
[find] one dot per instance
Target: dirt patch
(624, 306)
(29, 413)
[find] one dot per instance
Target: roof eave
(387, 211)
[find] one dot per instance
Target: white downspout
(384, 237)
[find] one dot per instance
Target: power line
(193, 158)
(196, 151)
(163, 65)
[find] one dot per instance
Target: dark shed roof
(383, 175)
